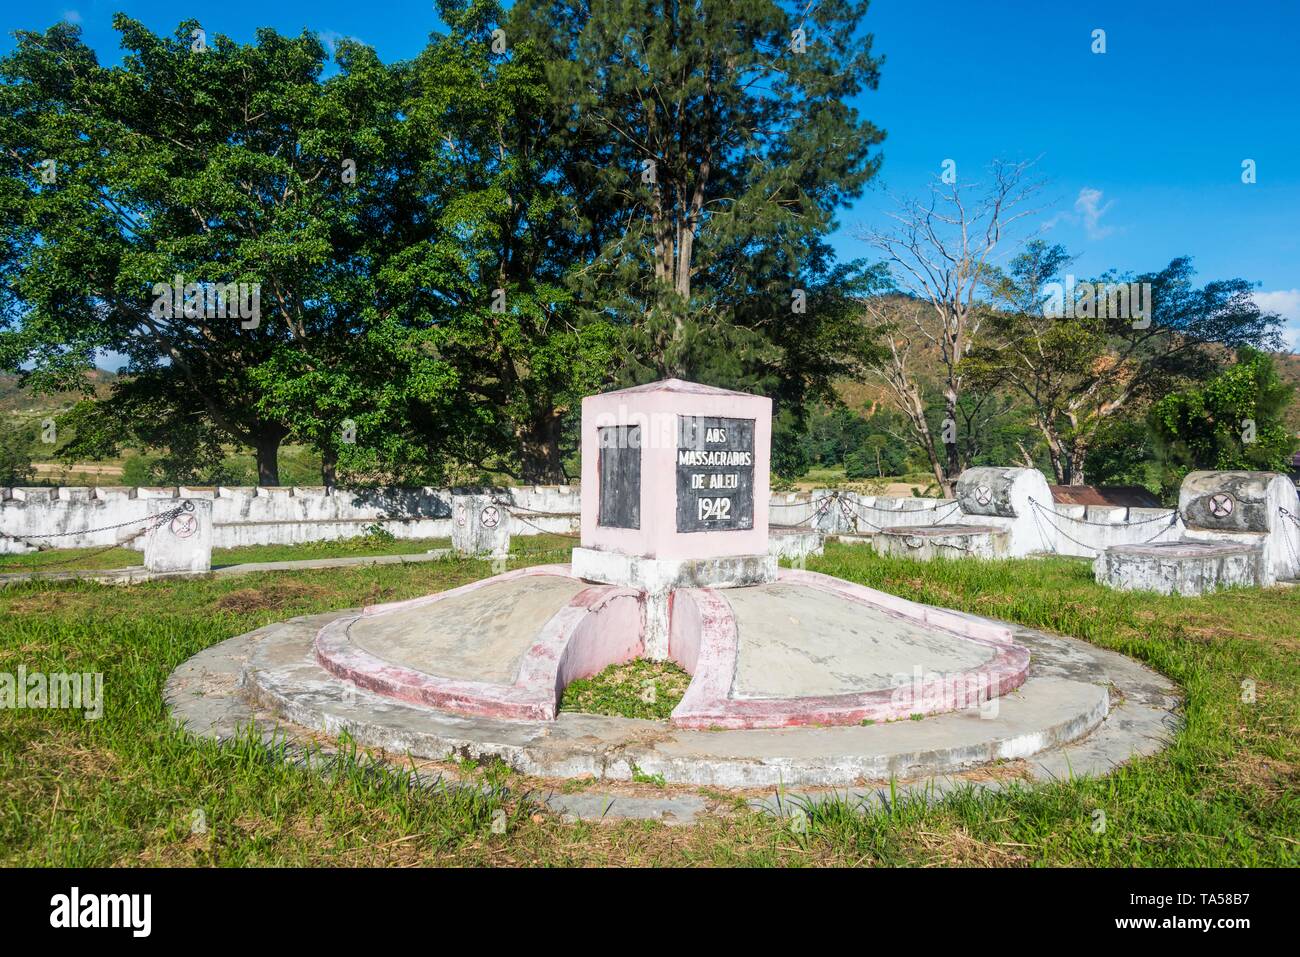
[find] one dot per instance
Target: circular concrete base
(1063, 720)
(804, 650)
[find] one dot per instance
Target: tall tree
(1082, 354)
(505, 189)
(940, 251)
(1236, 420)
(218, 163)
(728, 145)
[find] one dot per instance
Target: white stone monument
(675, 489)
(180, 539)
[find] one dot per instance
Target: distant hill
(861, 395)
(20, 403)
(1288, 370)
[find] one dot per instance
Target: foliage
(16, 439)
(1223, 794)
(722, 155)
(1233, 421)
(218, 165)
(1077, 368)
(635, 689)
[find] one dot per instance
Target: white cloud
(1088, 205)
(72, 16)
(1286, 303)
(331, 38)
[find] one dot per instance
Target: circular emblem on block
(183, 526)
(1221, 504)
(490, 517)
(983, 494)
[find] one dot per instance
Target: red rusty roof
(1129, 496)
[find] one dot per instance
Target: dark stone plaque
(715, 474)
(620, 476)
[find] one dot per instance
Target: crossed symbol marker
(1221, 505)
(983, 495)
(489, 517)
(183, 526)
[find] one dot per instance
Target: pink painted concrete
(708, 702)
(599, 627)
(685, 628)
(655, 407)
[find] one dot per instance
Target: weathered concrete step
(281, 674)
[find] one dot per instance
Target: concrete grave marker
(181, 541)
(480, 527)
(675, 489)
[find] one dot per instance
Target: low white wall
(1078, 530)
(85, 517)
(284, 516)
(1088, 530)
(840, 513)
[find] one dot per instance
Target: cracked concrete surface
(1057, 725)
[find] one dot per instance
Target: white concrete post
(480, 528)
(181, 541)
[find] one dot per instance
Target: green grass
(366, 545)
(79, 559)
(128, 789)
(636, 689)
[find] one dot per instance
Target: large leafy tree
(726, 146)
(1236, 420)
(220, 163)
(514, 227)
(1080, 372)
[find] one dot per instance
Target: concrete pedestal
(479, 527)
(1246, 508)
(658, 578)
(795, 544)
(181, 543)
(1007, 499)
(1180, 568)
(925, 542)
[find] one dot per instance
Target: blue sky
(1142, 145)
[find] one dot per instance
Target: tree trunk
(539, 452)
(952, 452)
(329, 461)
(1078, 452)
(266, 447)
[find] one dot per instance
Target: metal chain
(514, 511)
(153, 522)
(157, 520)
(850, 512)
(928, 508)
(821, 509)
(1084, 521)
(1174, 518)
(1290, 545)
(531, 511)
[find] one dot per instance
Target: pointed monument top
(680, 386)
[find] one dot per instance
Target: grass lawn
(68, 559)
(128, 789)
(635, 689)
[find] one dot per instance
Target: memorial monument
(675, 480)
(796, 677)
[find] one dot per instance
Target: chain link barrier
(1173, 518)
(150, 523)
